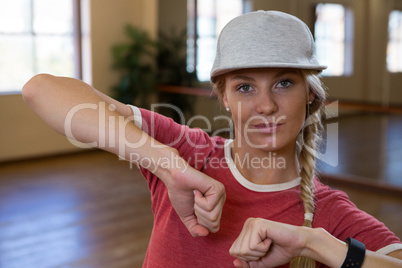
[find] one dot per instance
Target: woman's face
(268, 106)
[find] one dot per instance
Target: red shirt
(171, 245)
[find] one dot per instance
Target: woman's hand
(264, 243)
(198, 200)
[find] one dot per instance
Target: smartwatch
(356, 253)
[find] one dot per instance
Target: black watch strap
(355, 255)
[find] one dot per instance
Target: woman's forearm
(81, 113)
(325, 248)
(267, 243)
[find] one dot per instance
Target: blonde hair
(307, 142)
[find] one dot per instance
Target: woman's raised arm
(264, 243)
(72, 107)
(82, 113)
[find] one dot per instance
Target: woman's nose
(266, 103)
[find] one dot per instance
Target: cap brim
(220, 71)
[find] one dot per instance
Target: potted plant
(136, 61)
(172, 70)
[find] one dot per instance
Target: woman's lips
(267, 127)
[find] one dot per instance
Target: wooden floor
(369, 147)
(80, 210)
(91, 210)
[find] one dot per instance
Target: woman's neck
(266, 167)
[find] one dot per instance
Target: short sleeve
(193, 144)
(346, 220)
(188, 141)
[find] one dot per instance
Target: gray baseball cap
(265, 39)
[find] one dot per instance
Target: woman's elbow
(35, 87)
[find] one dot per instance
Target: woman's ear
(311, 97)
(225, 100)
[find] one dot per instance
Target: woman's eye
(244, 88)
(284, 83)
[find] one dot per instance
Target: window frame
(192, 15)
(348, 41)
(399, 10)
(77, 42)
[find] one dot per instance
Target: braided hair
(308, 141)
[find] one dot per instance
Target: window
(206, 18)
(394, 49)
(38, 36)
(333, 33)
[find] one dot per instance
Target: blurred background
(63, 206)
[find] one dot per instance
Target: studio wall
(22, 133)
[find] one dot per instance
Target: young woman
(254, 197)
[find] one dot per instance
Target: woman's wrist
(166, 163)
(323, 247)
